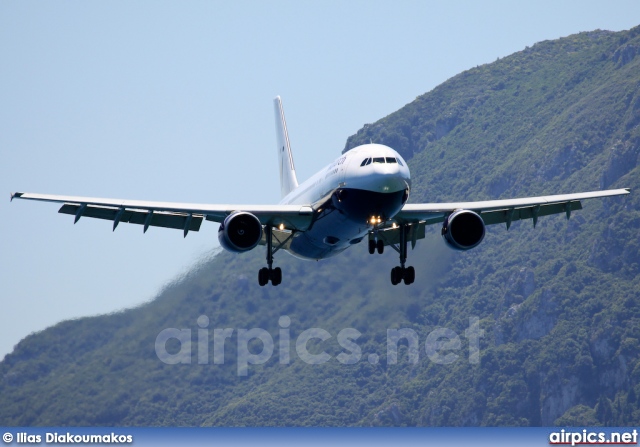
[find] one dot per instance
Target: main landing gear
(269, 273)
(400, 273)
(408, 274)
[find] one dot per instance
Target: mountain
(534, 327)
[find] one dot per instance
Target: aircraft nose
(386, 168)
(391, 177)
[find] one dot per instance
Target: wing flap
(294, 217)
(513, 214)
(176, 221)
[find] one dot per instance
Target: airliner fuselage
(367, 183)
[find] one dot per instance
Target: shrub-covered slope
(559, 305)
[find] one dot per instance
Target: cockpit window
(368, 161)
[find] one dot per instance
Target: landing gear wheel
(372, 246)
(406, 274)
(263, 276)
(380, 246)
(269, 273)
(409, 275)
(276, 276)
(396, 275)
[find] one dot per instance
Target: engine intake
(463, 229)
(240, 232)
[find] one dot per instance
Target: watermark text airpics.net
(442, 346)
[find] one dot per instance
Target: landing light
(281, 227)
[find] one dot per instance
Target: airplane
(362, 194)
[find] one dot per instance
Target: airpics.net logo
(257, 346)
(590, 437)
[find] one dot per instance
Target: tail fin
(288, 180)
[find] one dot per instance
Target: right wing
(182, 216)
(506, 211)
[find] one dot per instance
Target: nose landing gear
(376, 245)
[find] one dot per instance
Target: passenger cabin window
(378, 160)
(391, 160)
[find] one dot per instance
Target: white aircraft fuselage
(367, 183)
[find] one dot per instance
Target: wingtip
(15, 194)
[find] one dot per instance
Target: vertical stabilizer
(288, 180)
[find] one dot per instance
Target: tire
(409, 275)
(372, 246)
(276, 276)
(380, 246)
(396, 275)
(263, 276)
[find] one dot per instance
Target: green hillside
(558, 305)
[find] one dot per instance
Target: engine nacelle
(463, 229)
(240, 232)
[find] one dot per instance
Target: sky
(172, 101)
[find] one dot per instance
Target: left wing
(492, 211)
(182, 216)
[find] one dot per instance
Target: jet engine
(240, 231)
(463, 229)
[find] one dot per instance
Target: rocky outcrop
(389, 415)
(563, 395)
(625, 54)
(540, 321)
(623, 157)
